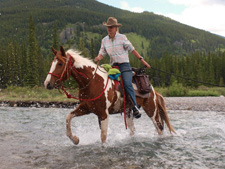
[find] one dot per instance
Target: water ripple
(36, 138)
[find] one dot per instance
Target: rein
(69, 95)
(124, 99)
(68, 70)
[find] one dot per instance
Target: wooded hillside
(29, 28)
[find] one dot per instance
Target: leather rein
(68, 69)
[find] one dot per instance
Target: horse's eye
(60, 64)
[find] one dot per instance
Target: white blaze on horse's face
(48, 78)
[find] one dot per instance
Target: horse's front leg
(104, 121)
(79, 111)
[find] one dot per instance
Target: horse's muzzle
(49, 86)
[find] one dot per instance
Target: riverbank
(38, 104)
(196, 103)
(172, 103)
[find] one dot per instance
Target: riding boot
(136, 112)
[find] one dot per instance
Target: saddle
(141, 79)
(141, 83)
(142, 88)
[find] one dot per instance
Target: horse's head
(57, 71)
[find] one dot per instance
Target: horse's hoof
(160, 132)
(131, 133)
(75, 139)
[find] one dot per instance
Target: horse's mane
(80, 60)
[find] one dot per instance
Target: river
(36, 138)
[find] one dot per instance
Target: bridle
(68, 69)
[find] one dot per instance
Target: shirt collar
(114, 36)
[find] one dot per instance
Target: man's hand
(98, 58)
(145, 63)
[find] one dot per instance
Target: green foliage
(207, 91)
(139, 42)
(13, 93)
(55, 36)
(167, 45)
(164, 34)
(202, 93)
(195, 68)
(177, 89)
(32, 78)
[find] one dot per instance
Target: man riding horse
(117, 46)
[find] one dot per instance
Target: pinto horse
(98, 95)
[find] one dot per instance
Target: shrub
(177, 89)
(202, 93)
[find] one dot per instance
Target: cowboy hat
(112, 22)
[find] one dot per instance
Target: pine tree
(3, 67)
(55, 37)
(24, 65)
(11, 65)
(211, 73)
(221, 83)
(32, 59)
(142, 44)
(92, 49)
(17, 74)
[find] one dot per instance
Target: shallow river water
(36, 138)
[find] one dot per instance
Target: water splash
(36, 138)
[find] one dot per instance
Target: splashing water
(36, 138)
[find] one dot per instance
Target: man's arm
(135, 53)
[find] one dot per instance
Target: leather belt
(117, 64)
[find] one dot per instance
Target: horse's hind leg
(79, 111)
(152, 110)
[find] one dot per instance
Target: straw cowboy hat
(112, 22)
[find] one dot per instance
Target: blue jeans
(127, 74)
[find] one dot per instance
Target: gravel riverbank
(172, 103)
(196, 103)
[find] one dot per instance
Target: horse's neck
(83, 76)
(91, 74)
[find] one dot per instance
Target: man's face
(111, 31)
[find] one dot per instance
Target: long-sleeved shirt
(117, 48)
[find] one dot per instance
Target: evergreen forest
(29, 28)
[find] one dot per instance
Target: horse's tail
(163, 113)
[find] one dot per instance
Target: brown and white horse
(98, 94)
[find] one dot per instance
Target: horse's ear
(53, 50)
(62, 51)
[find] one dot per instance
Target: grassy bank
(34, 94)
(177, 90)
(41, 94)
